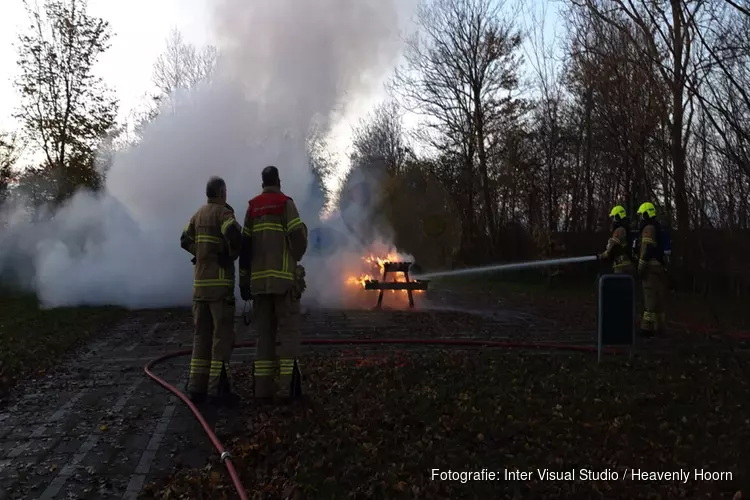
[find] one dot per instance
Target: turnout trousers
(277, 320)
(654, 301)
(212, 346)
(623, 265)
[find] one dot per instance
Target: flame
(353, 280)
(374, 266)
(380, 262)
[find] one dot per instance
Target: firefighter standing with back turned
(213, 237)
(274, 240)
(652, 271)
(618, 246)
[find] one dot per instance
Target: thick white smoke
(285, 66)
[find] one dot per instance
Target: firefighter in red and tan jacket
(213, 237)
(274, 240)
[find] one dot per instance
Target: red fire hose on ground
(224, 454)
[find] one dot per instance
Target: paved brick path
(96, 427)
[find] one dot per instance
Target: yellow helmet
(647, 210)
(618, 212)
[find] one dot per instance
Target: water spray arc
(507, 267)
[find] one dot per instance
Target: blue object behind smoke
(324, 241)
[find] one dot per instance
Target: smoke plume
(285, 67)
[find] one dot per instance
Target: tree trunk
(589, 180)
(678, 116)
(489, 209)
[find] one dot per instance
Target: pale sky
(140, 29)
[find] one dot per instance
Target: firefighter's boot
(662, 330)
(225, 397)
(295, 388)
(195, 397)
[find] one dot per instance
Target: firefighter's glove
(245, 293)
(299, 283)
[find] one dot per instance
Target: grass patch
(501, 284)
(32, 339)
(563, 300)
(377, 431)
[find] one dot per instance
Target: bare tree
(549, 109)
(380, 136)
(181, 66)
(11, 149)
(323, 165)
(65, 109)
(725, 78)
(668, 29)
(459, 71)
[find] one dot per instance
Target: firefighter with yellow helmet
(618, 245)
(652, 270)
(274, 240)
(213, 237)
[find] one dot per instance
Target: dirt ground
(379, 421)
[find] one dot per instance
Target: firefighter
(618, 247)
(652, 272)
(213, 237)
(274, 239)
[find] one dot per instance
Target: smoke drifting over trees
(269, 92)
(516, 150)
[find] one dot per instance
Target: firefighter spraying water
(619, 244)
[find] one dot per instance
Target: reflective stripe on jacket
(274, 239)
(617, 250)
(213, 236)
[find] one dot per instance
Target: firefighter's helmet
(618, 213)
(647, 210)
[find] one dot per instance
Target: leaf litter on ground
(378, 430)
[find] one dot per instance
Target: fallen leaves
(32, 339)
(378, 431)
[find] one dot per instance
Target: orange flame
(375, 266)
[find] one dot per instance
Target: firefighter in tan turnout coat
(274, 239)
(651, 268)
(618, 245)
(213, 237)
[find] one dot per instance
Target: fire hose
(226, 457)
